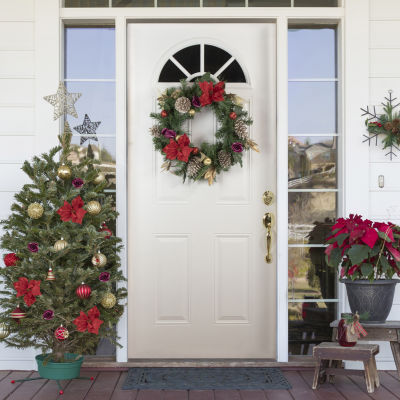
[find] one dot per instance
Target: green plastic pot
(60, 370)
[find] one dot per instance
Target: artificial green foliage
(225, 135)
(71, 266)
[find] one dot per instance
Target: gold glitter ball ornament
(109, 300)
(64, 172)
(4, 331)
(207, 161)
(35, 210)
(99, 178)
(99, 260)
(192, 112)
(93, 207)
(60, 245)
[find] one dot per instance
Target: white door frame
(353, 21)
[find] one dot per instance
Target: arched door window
(193, 61)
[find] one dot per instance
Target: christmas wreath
(179, 104)
(386, 124)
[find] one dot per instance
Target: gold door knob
(267, 221)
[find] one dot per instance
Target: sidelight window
(312, 184)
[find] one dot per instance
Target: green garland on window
(179, 104)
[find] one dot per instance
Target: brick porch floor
(107, 386)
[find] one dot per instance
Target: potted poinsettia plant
(368, 254)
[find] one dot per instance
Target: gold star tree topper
(63, 101)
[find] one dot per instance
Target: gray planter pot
(374, 298)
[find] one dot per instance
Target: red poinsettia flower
(211, 93)
(178, 150)
(89, 322)
(72, 212)
(28, 289)
(10, 259)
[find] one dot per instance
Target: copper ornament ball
(64, 172)
(207, 161)
(164, 114)
(60, 245)
(109, 300)
(232, 115)
(93, 207)
(99, 178)
(99, 260)
(35, 210)
(4, 331)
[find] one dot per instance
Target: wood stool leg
(317, 373)
(395, 346)
(375, 370)
(369, 377)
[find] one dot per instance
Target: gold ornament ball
(35, 210)
(99, 178)
(99, 260)
(60, 245)
(108, 301)
(177, 137)
(192, 112)
(207, 161)
(93, 207)
(64, 172)
(4, 331)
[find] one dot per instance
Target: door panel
(198, 282)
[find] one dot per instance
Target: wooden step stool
(329, 356)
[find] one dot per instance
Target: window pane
(312, 107)
(178, 3)
(233, 73)
(269, 3)
(171, 73)
(315, 3)
(309, 277)
(189, 58)
(103, 150)
(214, 58)
(133, 3)
(85, 3)
(223, 3)
(312, 162)
(97, 101)
(90, 53)
(310, 216)
(309, 325)
(312, 53)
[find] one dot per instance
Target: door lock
(268, 197)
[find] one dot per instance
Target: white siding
(384, 75)
(16, 120)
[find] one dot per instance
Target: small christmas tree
(62, 265)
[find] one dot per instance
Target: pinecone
(194, 167)
(155, 131)
(241, 129)
(388, 126)
(182, 105)
(224, 159)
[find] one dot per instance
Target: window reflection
(312, 162)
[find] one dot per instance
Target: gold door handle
(267, 221)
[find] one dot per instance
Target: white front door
(199, 286)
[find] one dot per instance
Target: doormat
(183, 378)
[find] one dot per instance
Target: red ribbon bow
(211, 93)
(28, 289)
(72, 212)
(89, 322)
(179, 150)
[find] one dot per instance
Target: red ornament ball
(232, 115)
(61, 333)
(195, 150)
(10, 259)
(104, 228)
(164, 114)
(83, 291)
(18, 314)
(61, 392)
